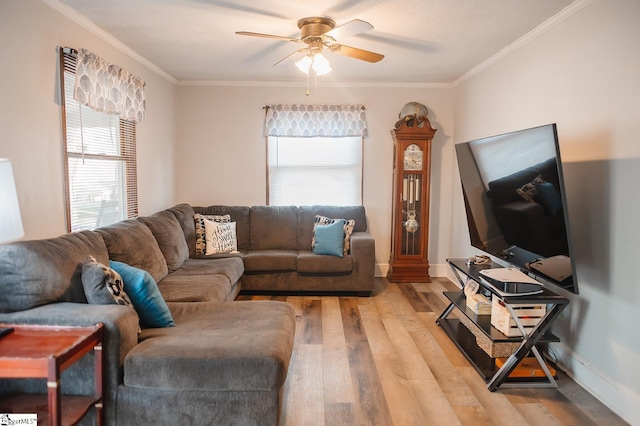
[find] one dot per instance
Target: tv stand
(528, 343)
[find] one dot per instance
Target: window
(314, 154)
(506, 154)
(317, 170)
(100, 161)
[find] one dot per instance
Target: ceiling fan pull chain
(315, 83)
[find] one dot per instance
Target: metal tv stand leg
(529, 341)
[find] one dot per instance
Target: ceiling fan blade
(351, 28)
(289, 56)
(247, 33)
(353, 52)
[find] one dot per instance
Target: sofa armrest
(120, 335)
(120, 322)
(363, 251)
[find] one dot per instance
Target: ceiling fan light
(304, 64)
(321, 64)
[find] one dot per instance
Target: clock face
(413, 158)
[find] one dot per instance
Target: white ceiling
(424, 41)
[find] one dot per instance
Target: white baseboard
(381, 270)
(618, 397)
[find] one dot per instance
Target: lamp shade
(304, 64)
(321, 64)
(10, 221)
(315, 61)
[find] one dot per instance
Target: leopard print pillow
(102, 285)
(201, 242)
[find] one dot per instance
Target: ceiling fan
(318, 33)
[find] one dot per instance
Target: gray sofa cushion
(270, 260)
(274, 227)
(307, 214)
(243, 345)
(200, 280)
(311, 263)
(239, 215)
(195, 288)
(170, 238)
(184, 213)
(132, 242)
(34, 273)
(231, 267)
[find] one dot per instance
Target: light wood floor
(382, 360)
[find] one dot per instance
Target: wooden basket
(530, 315)
(491, 348)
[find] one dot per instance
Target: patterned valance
(307, 121)
(108, 88)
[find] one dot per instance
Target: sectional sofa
(275, 244)
(222, 361)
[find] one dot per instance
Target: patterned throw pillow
(528, 191)
(220, 237)
(102, 285)
(348, 230)
(201, 243)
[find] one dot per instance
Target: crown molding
(85, 23)
(351, 84)
(547, 25)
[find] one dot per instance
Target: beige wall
(30, 118)
(583, 75)
(221, 155)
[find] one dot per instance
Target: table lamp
(10, 221)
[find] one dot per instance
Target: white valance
(306, 121)
(108, 88)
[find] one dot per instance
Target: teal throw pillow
(143, 291)
(330, 239)
(549, 198)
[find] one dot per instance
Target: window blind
(100, 161)
(308, 171)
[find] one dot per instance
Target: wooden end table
(43, 351)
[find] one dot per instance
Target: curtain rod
(267, 107)
(69, 50)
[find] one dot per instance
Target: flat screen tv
(516, 205)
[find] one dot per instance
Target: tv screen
(515, 202)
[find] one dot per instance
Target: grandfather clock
(412, 138)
